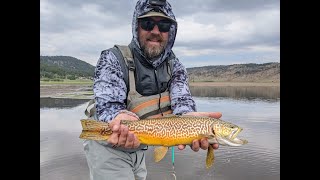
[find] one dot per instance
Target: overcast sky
(210, 32)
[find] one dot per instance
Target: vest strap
(128, 58)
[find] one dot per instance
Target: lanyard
(172, 160)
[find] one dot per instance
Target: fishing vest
(151, 98)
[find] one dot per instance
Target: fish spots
(177, 126)
(167, 129)
(105, 131)
(158, 127)
(139, 128)
(149, 128)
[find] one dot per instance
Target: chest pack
(144, 106)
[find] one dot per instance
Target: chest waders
(152, 106)
(119, 163)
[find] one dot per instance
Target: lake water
(256, 109)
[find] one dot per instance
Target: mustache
(155, 37)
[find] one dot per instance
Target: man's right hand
(121, 137)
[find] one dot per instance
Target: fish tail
(95, 130)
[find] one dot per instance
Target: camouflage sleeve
(109, 87)
(181, 99)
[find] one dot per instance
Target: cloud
(207, 29)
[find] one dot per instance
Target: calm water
(256, 109)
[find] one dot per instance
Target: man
(154, 29)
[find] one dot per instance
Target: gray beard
(153, 52)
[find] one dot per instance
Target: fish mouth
(232, 140)
(235, 133)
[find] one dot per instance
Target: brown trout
(169, 131)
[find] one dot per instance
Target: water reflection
(60, 102)
(62, 156)
(272, 92)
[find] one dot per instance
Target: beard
(153, 51)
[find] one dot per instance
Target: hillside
(61, 67)
(66, 67)
(267, 72)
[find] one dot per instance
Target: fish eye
(233, 127)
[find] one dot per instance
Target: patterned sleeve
(109, 87)
(181, 99)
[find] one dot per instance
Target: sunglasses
(148, 24)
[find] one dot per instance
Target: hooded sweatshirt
(109, 87)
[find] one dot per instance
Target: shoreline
(74, 91)
(240, 84)
(84, 91)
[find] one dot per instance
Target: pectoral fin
(159, 153)
(210, 157)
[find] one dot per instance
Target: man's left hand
(203, 143)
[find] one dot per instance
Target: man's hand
(120, 134)
(203, 143)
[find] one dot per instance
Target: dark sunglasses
(148, 24)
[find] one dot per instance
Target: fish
(171, 130)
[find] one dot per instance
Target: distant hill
(62, 67)
(267, 72)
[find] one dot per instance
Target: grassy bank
(68, 82)
(234, 83)
(83, 88)
(199, 83)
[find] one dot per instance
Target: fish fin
(160, 152)
(93, 125)
(95, 130)
(93, 135)
(210, 157)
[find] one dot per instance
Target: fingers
(132, 141)
(129, 141)
(124, 138)
(204, 144)
(181, 147)
(120, 134)
(136, 142)
(114, 138)
(114, 125)
(123, 135)
(215, 115)
(195, 145)
(215, 146)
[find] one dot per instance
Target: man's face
(153, 42)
